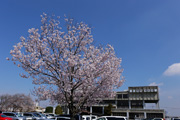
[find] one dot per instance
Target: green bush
(49, 109)
(58, 110)
(107, 110)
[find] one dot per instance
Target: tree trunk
(71, 111)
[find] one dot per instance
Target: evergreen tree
(107, 109)
(58, 110)
(49, 109)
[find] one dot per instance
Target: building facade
(132, 103)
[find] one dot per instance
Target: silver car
(112, 118)
(34, 116)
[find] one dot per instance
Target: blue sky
(145, 34)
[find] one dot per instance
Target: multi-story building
(132, 103)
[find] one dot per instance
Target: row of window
(150, 96)
(122, 96)
(143, 90)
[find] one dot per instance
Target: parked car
(49, 116)
(33, 116)
(4, 117)
(14, 116)
(158, 119)
(175, 118)
(62, 118)
(89, 117)
(52, 114)
(112, 118)
(42, 115)
(77, 117)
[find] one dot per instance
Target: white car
(158, 119)
(89, 117)
(62, 118)
(49, 116)
(33, 116)
(112, 118)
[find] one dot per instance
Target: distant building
(131, 103)
(38, 108)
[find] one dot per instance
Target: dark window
(119, 95)
(36, 114)
(109, 101)
(93, 117)
(25, 114)
(114, 118)
(101, 119)
(157, 119)
(125, 95)
(10, 114)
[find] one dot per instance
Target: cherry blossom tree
(65, 65)
(5, 102)
(16, 102)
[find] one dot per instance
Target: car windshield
(37, 115)
(3, 116)
(18, 115)
(27, 114)
(101, 119)
(115, 118)
(10, 114)
(42, 115)
(157, 119)
(63, 118)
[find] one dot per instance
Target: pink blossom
(65, 64)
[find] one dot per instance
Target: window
(3, 116)
(101, 119)
(37, 115)
(145, 90)
(88, 118)
(25, 114)
(10, 114)
(93, 117)
(119, 96)
(125, 95)
(152, 90)
(115, 118)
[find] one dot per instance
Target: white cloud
(172, 70)
(155, 84)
